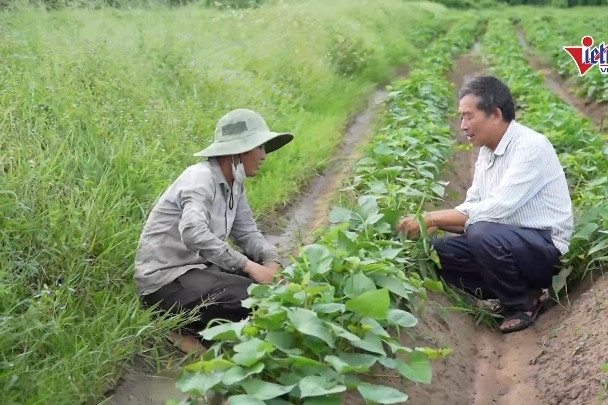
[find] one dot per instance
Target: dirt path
(143, 386)
(310, 211)
(596, 112)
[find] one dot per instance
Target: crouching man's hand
(262, 274)
(410, 227)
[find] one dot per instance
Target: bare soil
(309, 212)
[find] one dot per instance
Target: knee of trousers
(482, 235)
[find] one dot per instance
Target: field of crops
(101, 109)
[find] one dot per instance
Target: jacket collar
(217, 171)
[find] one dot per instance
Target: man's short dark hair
(492, 94)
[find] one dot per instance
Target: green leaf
(343, 333)
(244, 400)
(301, 361)
(376, 327)
(391, 253)
(329, 400)
(357, 284)
(383, 149)
(418, 367)
(432, 353)
(272, 320)
(307, 323)
(372, 219)
(251, 351)
(319, 258)
(248, 359)
(253, 344)
(264, 390)
(198, 383)
(338, 215)
(402, 318)
(381, 394)
(351, 362)
(395, 285)
(278, 401)
(347, 244)
(388, 362)
(208, 366)
(371, 342)
(225, 331)
(330, 308)
(391, 217)
(239, 373)
(604, 367)
(314, 386)
(374, 304)
(597, 182)
(368, 206)
(585, 231)
(438, 189)
(599, 246)
(432, 285)
(378, 187)
(284, 341)
(559, 280)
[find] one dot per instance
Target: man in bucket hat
(183, 258)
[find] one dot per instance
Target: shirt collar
(217, 171)
(506, 138)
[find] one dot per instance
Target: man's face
(252, 160)
(478, 127)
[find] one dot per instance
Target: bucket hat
(240, 131)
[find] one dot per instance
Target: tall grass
(101, 110)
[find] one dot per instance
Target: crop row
(580, 147)
(342, 309)
(548, 34)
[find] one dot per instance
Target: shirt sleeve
(523, 180)
(196, 199)
(248, 237)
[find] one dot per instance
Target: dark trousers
(220, 292)
(499, 261)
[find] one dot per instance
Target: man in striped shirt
(516, 220)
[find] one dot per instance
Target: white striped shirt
(521, 183)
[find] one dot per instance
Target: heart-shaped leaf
(380, 394)
(374, 304)
(307, 322)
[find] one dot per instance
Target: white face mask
(238, 172)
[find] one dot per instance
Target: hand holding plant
(262, 274)
(410, 226)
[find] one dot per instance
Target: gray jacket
(189, 225)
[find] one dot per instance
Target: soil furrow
(594, 111)
(310, 210)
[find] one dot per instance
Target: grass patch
(102, 109)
